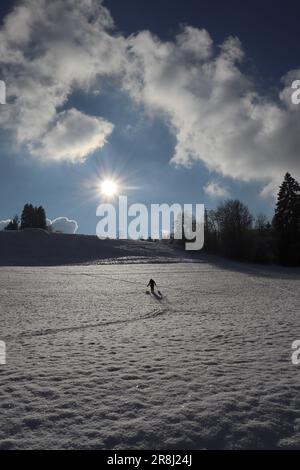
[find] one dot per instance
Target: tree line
(232, 231)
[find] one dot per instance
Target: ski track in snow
(95, 363)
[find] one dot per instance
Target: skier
(151, 283)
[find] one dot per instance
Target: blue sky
(182, 101)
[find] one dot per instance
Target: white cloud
(3, 224)
(73, 136)
(196, 42)
(271, 189)
(214, 189)
(47, 50)
(213, 109)
(63, 225)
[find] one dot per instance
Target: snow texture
(95, 363)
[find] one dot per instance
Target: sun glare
(109, 188)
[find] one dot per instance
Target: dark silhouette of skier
(151, 283)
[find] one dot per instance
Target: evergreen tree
(27, 217)
(286, 220)
(13, 224)
(40, 216)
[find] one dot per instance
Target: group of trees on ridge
(32, 217)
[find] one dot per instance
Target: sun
(109, 188)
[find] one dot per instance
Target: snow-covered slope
(95, 363)
(35, 247)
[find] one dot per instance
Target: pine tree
(286, 220)
(28, 216)
(40, 216)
